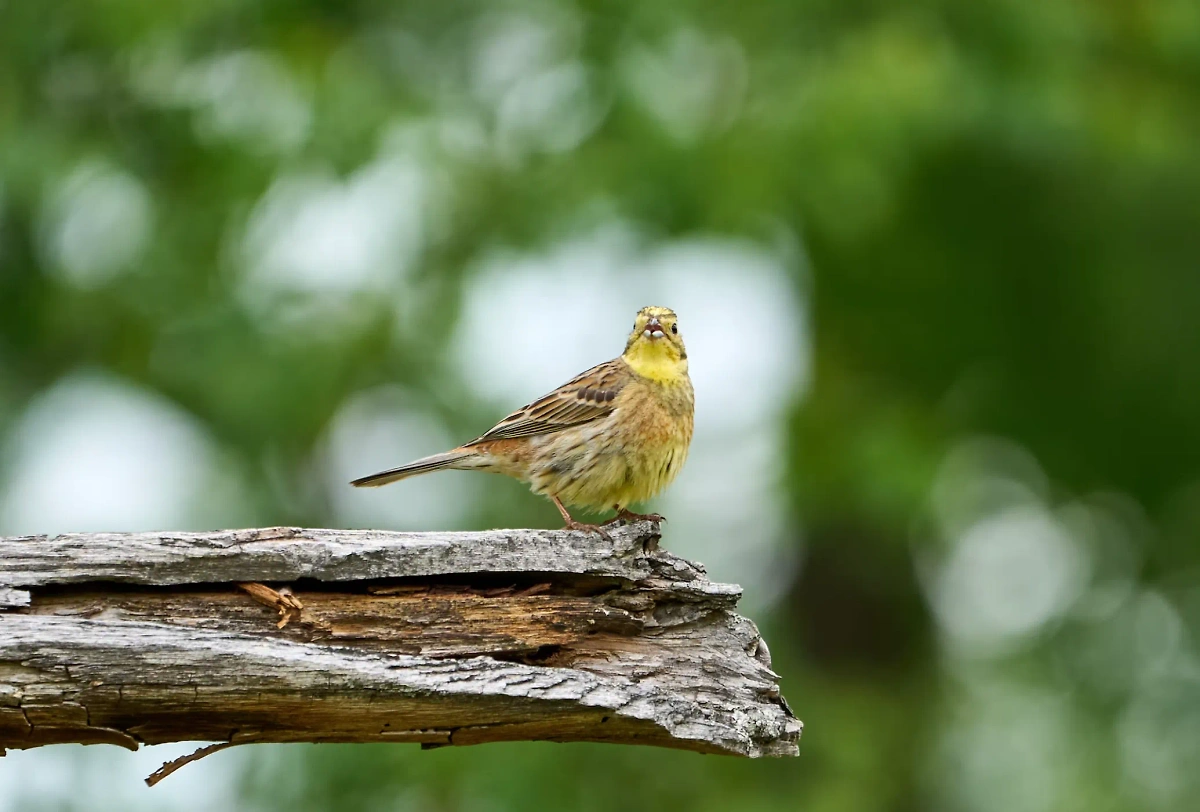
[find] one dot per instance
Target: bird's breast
(656, 431)
(627, 457)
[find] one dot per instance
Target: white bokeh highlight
(1016, 579)
(508, 49)
(1007, 576)
(691, 83)
(380, 429)
(96, 224)
(314, 234)
(65, 775)
(554, 110)
(1005, 746)
(245, 97)
(1158, 743)
(96, 454)
(524, 70)
(1009, 566)
(980, 476)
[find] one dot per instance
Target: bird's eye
(675, 328)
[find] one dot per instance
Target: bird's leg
(574, 525)
(624, 515)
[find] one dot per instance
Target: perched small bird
(612, 436)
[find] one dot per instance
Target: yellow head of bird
(655, 348)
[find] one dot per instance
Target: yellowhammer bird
(611, 436)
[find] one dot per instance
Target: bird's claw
(589, 528)
(630, 517)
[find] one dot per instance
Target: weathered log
(287, 634)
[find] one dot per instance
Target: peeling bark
(287, 634)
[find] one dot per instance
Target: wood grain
(289, 634)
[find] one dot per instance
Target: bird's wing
(588, 396)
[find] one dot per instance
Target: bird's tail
(450, 459)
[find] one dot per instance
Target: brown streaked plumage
(612, 436)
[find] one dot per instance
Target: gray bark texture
(299, 635)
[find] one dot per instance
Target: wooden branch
(286, 634)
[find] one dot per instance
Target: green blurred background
(937, 263)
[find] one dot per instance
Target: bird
(614, 435)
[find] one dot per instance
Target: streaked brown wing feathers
(586, 397)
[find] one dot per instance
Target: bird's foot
(629, 517)
(589, 528)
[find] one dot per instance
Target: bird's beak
(653, 329)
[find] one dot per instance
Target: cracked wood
(288, 634)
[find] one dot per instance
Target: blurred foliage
(999, 206)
